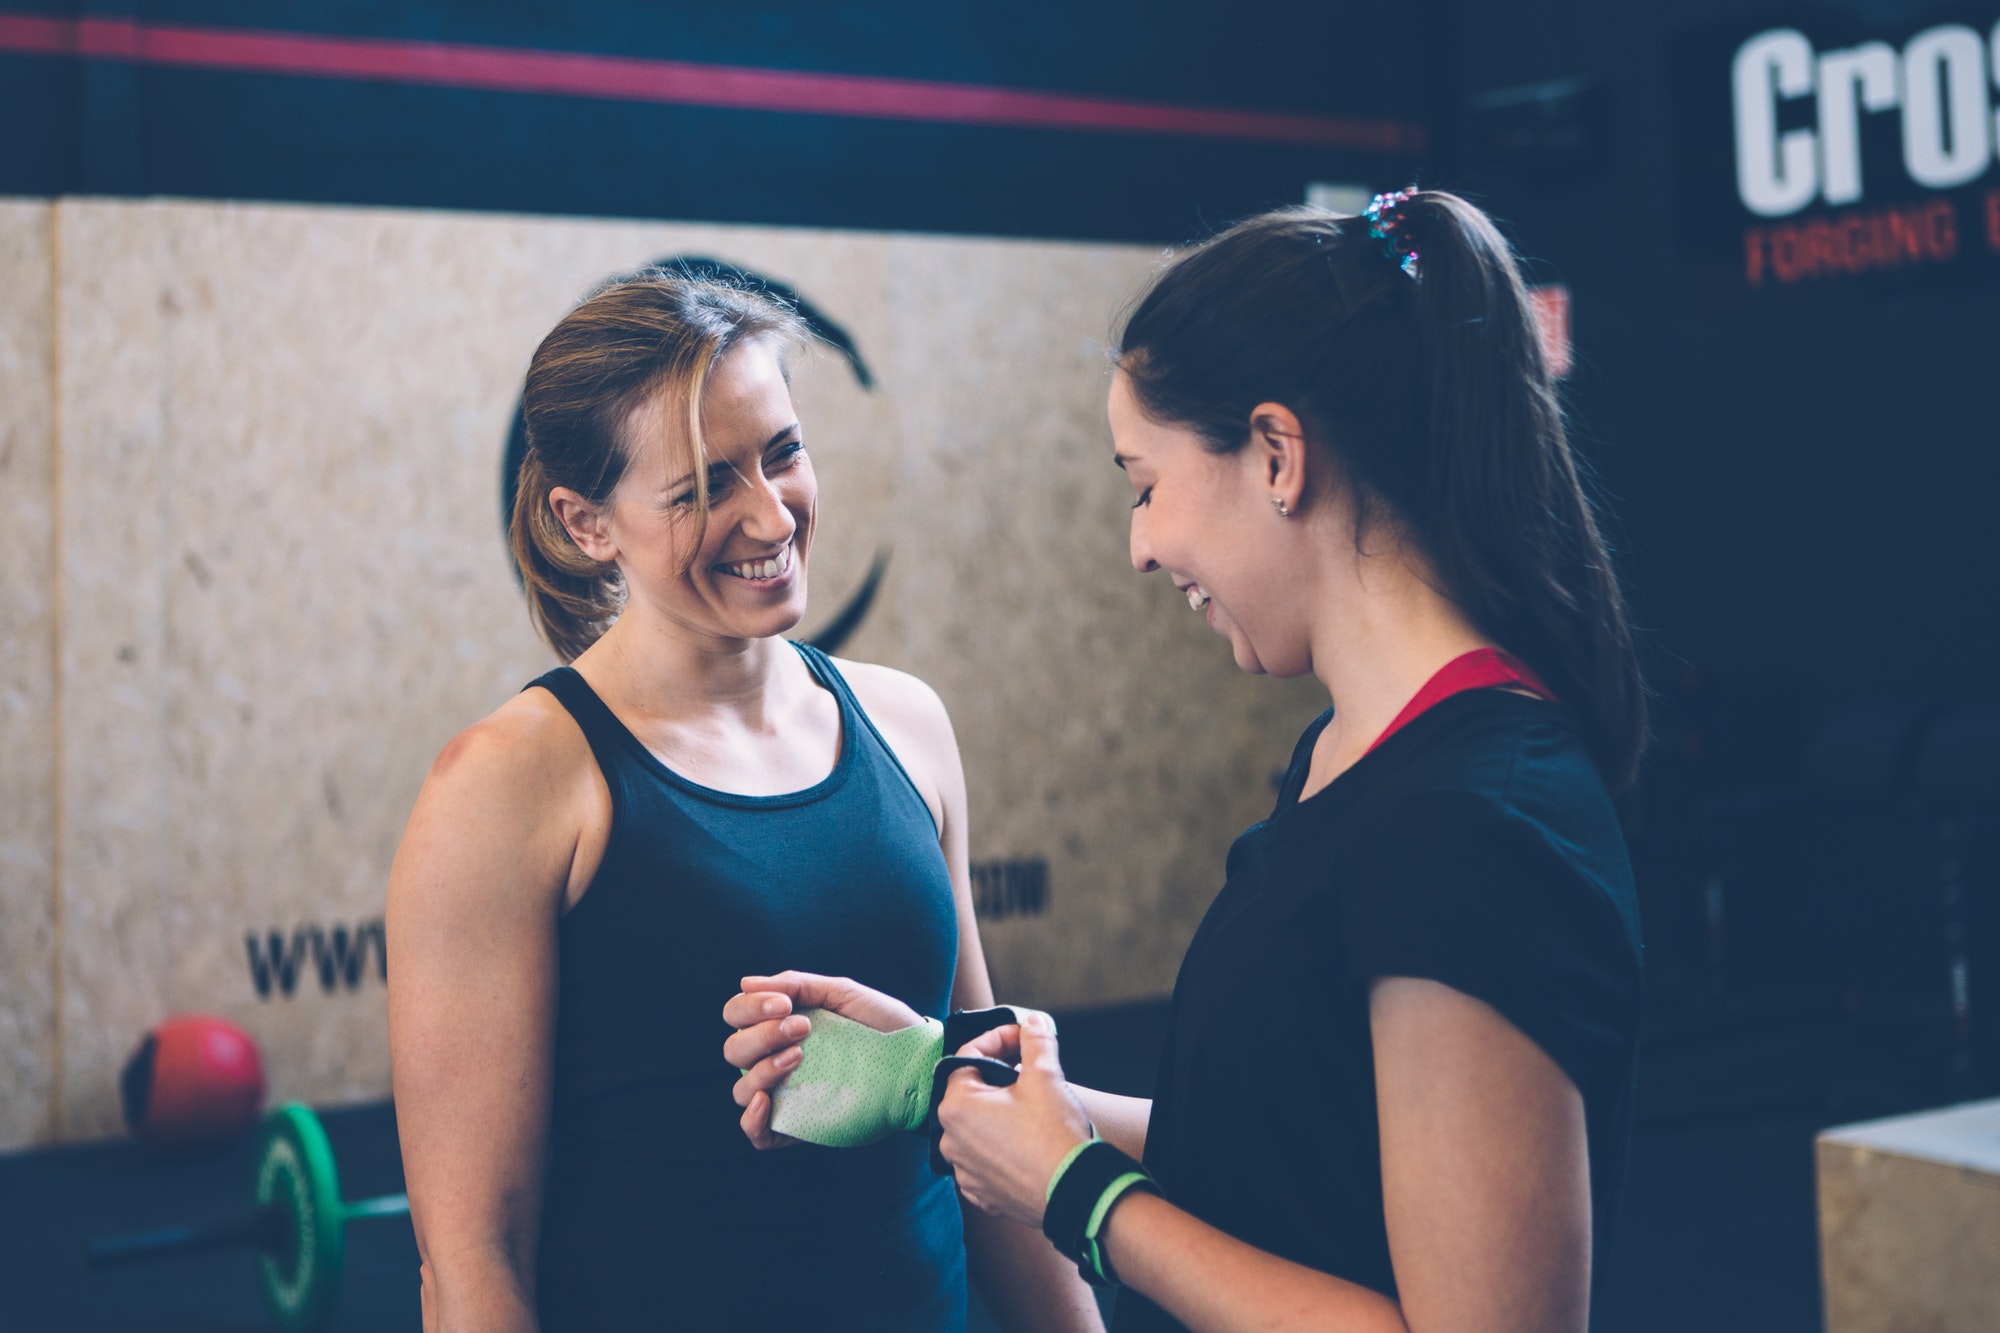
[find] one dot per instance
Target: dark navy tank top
(657, 1212)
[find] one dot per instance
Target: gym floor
(1718, 1229)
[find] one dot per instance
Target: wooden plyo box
(1909, 1222)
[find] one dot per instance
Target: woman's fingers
(756, 1122)
(1001, 1043)
(805, 989)
(1005, 1142)
(1031, 1044)
(989, 1137)
(765, 1075)
(763, 1040)
(962, 1083)
(1037, 1036)
(842, 995)
(753, 1007)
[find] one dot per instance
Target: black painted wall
(112, 127)
(1804, 477)
(1803, 480)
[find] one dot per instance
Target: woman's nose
(769, 518)
(1142, 552)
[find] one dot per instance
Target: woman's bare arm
(478, 885)
(1485, 1181)
(1485, 1167)
(1214, 1283)
(1120, 1121)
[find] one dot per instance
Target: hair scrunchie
(1387, 224)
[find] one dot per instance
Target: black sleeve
(1452, 887)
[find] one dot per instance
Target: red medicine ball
(193, 1080)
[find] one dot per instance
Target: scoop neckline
(843, 758)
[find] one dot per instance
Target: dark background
(1801, 481)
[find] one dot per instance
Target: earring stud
(1278, 503)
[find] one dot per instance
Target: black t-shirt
(1477, 847)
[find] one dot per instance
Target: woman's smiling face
(1207, 520)
(747, 576)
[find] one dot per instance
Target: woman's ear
(1279, 444)
(585, 524)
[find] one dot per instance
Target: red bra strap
(1480, 669)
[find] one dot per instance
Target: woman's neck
(659, 669)
(1374, 649)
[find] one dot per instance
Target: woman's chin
(1239, 642)
(789, 616)
(1287, 667)
(779, 620)
(1284, 666)
(762, 615)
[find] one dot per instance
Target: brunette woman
(1397, 1085)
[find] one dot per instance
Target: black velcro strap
(1090, 1173)
(992, 1071)
(962, 1025)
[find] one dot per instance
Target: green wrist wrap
(854, 1085)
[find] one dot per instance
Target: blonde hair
(650, 337)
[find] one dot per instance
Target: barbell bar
(297, 1228)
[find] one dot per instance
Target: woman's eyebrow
(723, 467)
(716, 469)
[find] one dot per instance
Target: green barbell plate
(299, 1267)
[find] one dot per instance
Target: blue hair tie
(1386, 224)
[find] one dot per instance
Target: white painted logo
(1943, 82)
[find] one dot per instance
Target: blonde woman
(590, 871)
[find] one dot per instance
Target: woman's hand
(769, 1029)
(1006, 1142)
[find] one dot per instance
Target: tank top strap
(856, 725)
(594, 718)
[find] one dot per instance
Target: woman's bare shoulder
(528, 741)
(513, 810)
(897, 696)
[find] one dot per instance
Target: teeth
(762, 569)
(1196, 597)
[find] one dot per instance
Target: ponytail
(1429, 388)
(1508, 526)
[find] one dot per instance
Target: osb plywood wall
(28, 902)
(252, 578)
